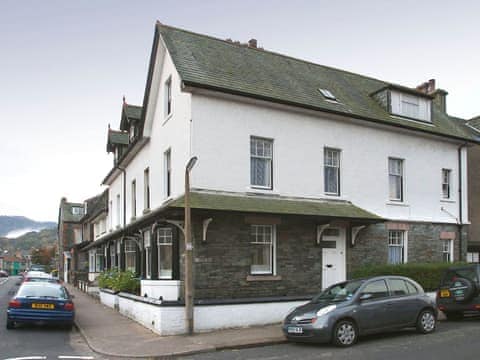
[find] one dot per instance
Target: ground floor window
(148, 254)
(113, 262)
(473, 257)
(397, 247)
(447, 250)
(165, 253)
(130, 255)
(99, 260)
(262, 241)
(91, 261)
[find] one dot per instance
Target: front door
(333, 256)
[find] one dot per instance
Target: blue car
(41, 303)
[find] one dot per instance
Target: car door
(403, 307)
(371, 312)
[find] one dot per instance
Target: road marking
(76, 357)
(28, 358)
(3, 281)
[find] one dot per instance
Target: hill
(14, 226)
(24, 243)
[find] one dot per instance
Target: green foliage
(117, 280)
(426, 274)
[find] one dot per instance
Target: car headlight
(326, 310)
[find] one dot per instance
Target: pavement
(109, 333)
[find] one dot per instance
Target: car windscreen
(40, 291)
(451, 275)
(339, 292)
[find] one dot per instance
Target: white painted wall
(170, 320)
(222, 130)
(172, 132)
(168, 290)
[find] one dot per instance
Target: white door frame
(338, 257)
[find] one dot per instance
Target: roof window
(328, 94)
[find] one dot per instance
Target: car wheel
(10, 325)
(426, 322)
(345, 333)
(452, 316)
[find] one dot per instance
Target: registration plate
(294, 330)
(43, 306)
(444, 293)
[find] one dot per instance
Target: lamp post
(188, 251)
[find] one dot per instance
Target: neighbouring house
(94, 224)
(473, 251)
(69, 232)
(305, 173)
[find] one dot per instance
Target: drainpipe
(460, 202)
(124, 195)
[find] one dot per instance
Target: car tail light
(69, 306)
(441, 308)
(477, 306)
(14, 303)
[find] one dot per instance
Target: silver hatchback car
(347, 310)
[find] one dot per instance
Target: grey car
(347, 310)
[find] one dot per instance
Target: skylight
(327, 94)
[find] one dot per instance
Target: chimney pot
(252, 43)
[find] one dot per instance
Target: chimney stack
(427, 87)
(252, 43)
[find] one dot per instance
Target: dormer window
(132, 132)
(327, 94)
(411, 106)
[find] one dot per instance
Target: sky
(65, 66)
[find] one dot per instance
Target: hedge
(119, 281)
(426, 274)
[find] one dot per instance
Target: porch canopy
(338, 209)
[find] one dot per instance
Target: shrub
(426, 274)
(117, 280)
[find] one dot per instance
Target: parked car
(459, 291)
(36, 267)
(32, 276)
(3, 273)
(347, 310)
(43, 303)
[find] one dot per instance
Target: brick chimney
(427, 87)
(252, 43)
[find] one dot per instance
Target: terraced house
(304, 173)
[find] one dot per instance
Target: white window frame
(118, 212)
(160, 248)
(110, 216)
(91, 261)
(113, 259)
(473, 257)
(273, 248)
(130, 248)
(146, 188)
(134, 198)
(403, 245)
(167, 163)
(255, 141)
(408, 103)
(400, 175)
(147, 243)
(335, 164)
(447, 250)
(168, 103)
(446, 184)
(99, 257)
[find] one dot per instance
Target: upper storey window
(411, 106)
(168, 97)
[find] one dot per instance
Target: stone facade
(222, 262)
(473, 198)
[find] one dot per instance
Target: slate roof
(474, 122)
(286, 206)
(67, 214)
(207, 62)
(96, 205)
(116, 138)
(133, 111)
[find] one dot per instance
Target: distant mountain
(24, 243)
(15, 226)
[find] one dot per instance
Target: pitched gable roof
(206, 62)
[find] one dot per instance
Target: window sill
(261, 190)
(264, 278)
(393, 203)
(451, 201)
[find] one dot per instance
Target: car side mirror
(365, 296)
